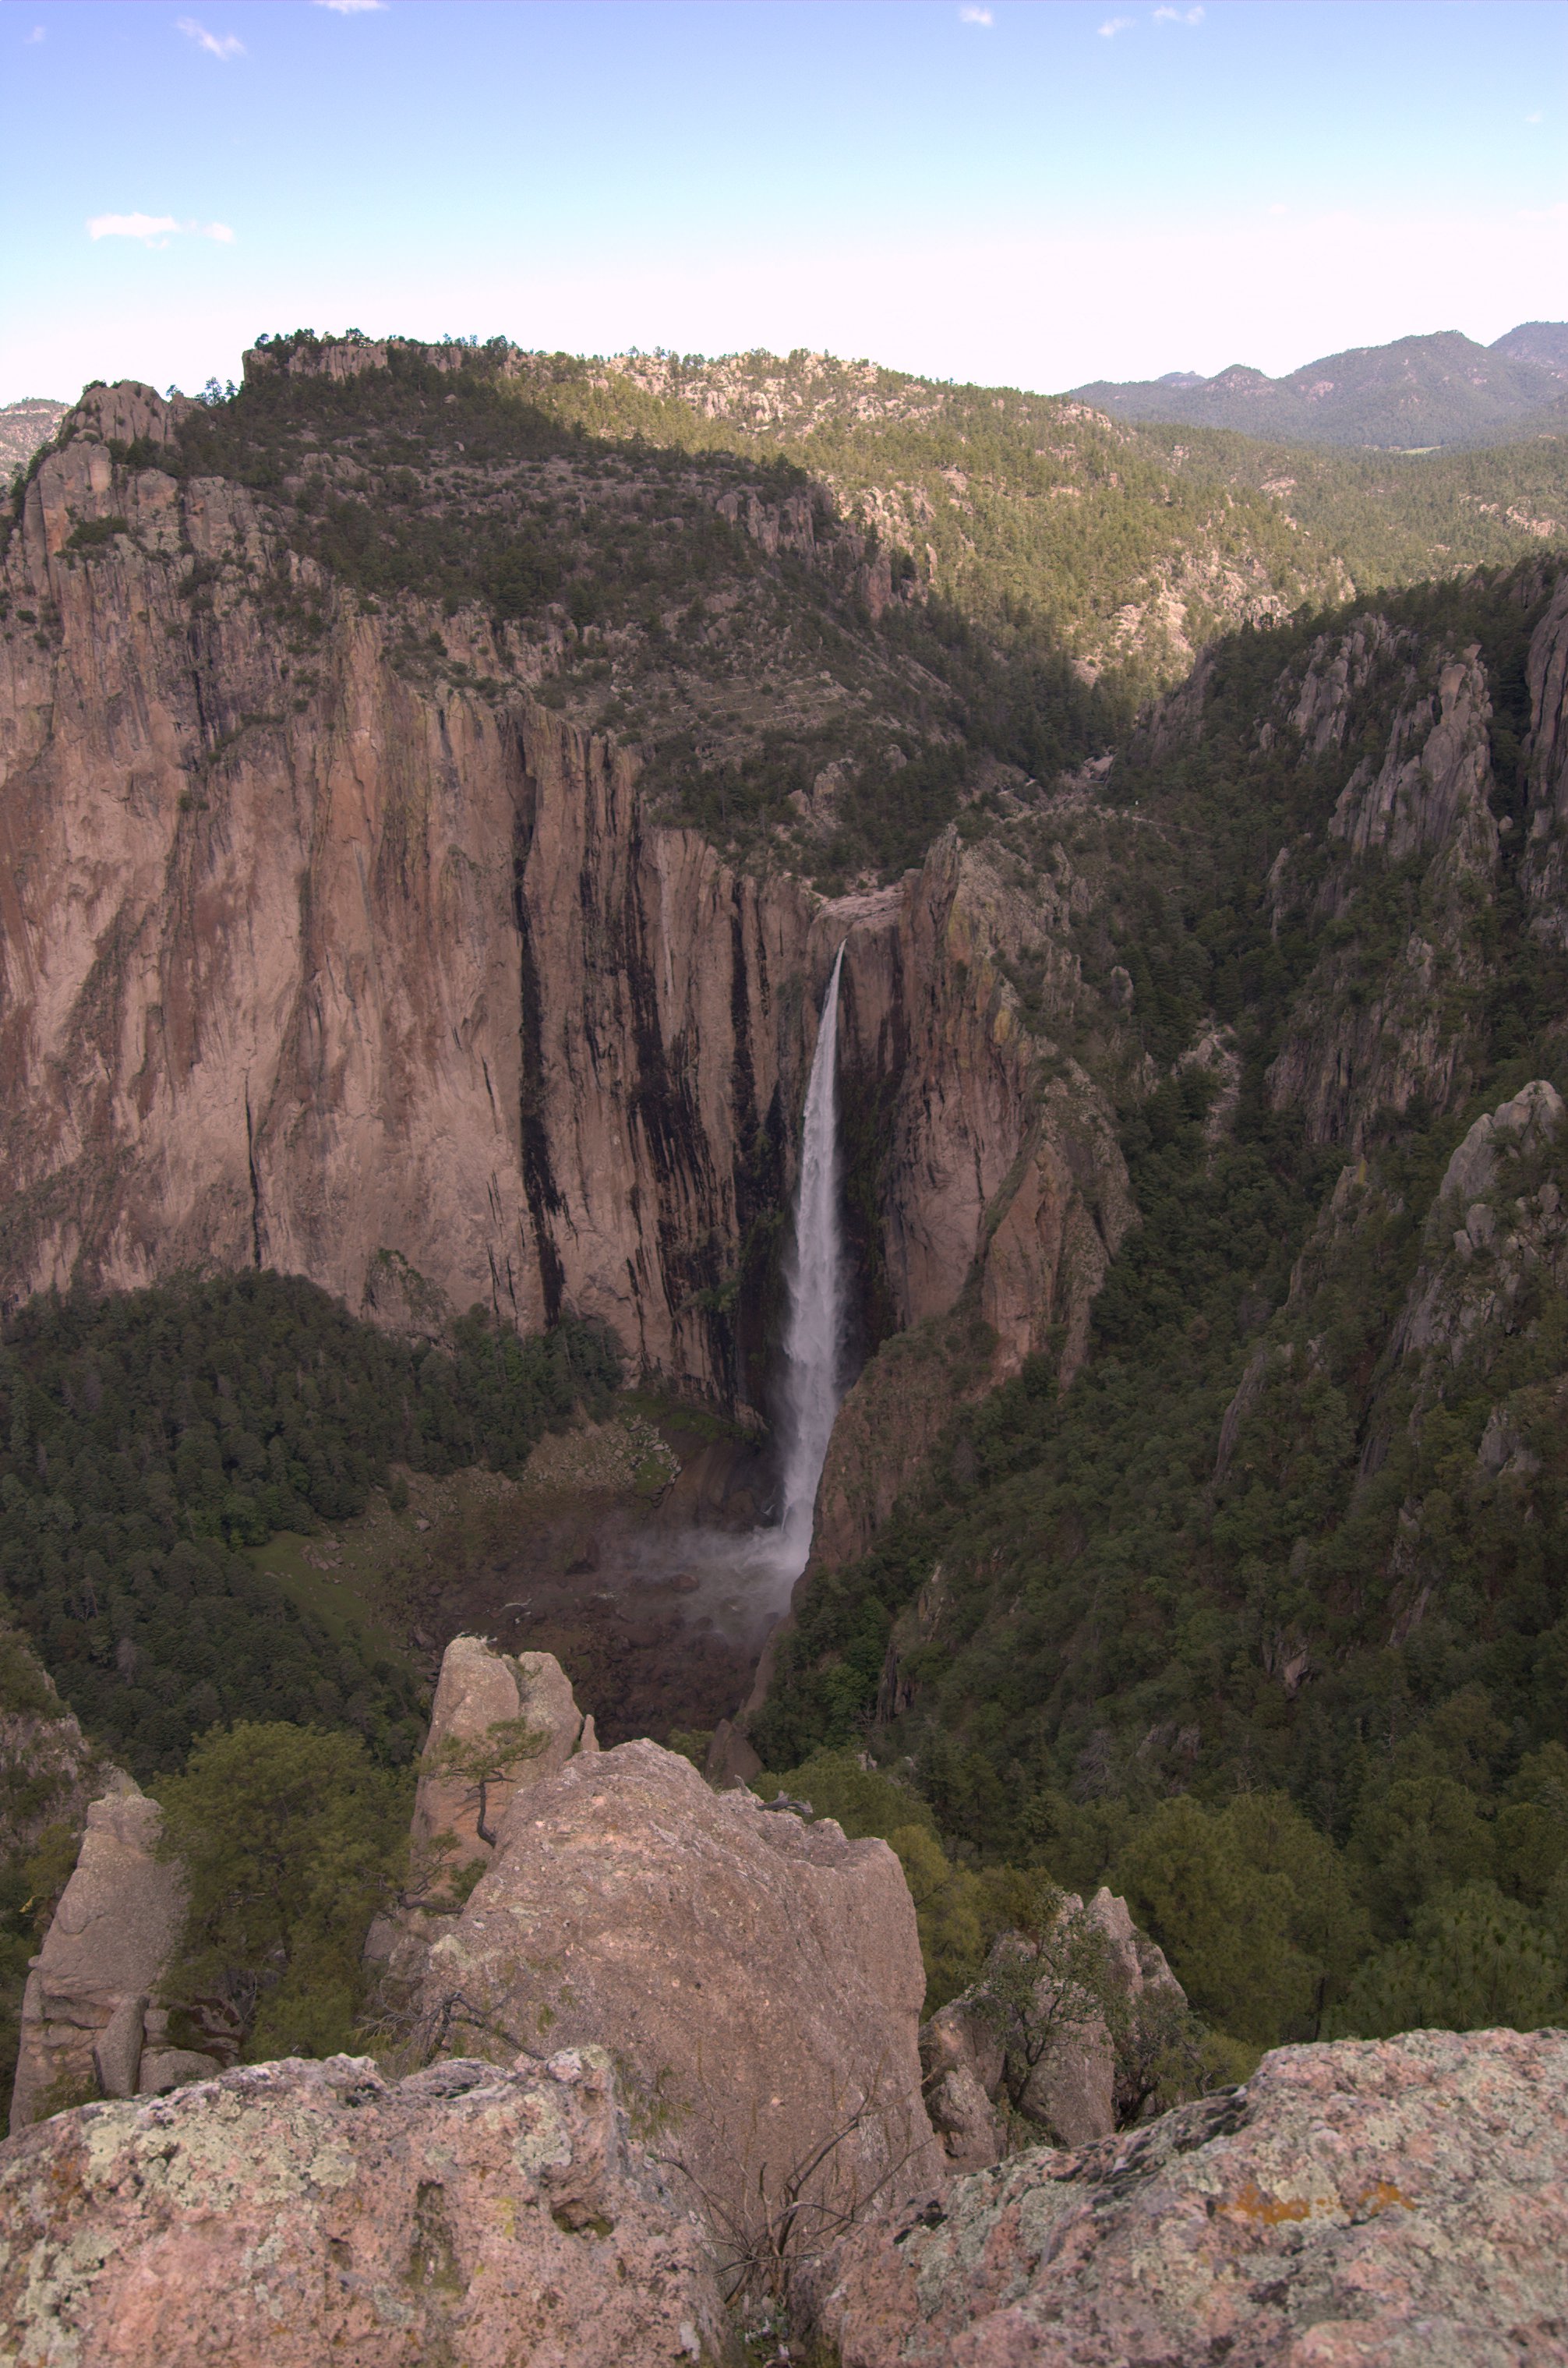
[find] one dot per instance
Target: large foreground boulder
(1398, 2203)
(293, 2213)
(759, 1979)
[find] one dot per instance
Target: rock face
(87, 1995)
(477, 1691)
(977, 2099)
(293, 2213)
(1393, 2204)
(310, 963)
(1546, 863)
(759, 1979)
(992, 1165)
(1425, 803)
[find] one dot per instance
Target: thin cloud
(156, 230)
(1178, 16)
(37, 35)
(1114, 25)
(966, 15)
(351, 7)
(217, 45)
(1535, 118)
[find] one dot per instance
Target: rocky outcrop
(1015, 2054)
(1391, 2203)
(292, 2212)
(1495, 1227)
(480, 1690)
(500, 1723)
(87, 2012)
(758, 1978)
(1377, 1025)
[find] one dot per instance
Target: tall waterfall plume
(813, 1341)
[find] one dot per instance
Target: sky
(1021, 192)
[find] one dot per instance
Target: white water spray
(813, 1341)
(743, 1579)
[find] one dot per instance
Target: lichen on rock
(1394, 2203)
(297, 2212)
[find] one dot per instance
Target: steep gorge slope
(1300, 1514)
(331, 945)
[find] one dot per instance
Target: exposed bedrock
(306, 963)
(1397, 2203)
(292, 2212)
(90, 2023)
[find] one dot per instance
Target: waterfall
(814, 1338)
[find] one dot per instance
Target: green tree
(1251, 1905)
(1474, 1961)
(1532, 1827)
(1416, 1835)
(1048, 1981)
(948, 1913)
(480, 1762)
(289, 1841)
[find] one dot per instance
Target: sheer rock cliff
(312, 963)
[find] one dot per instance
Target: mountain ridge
(1413, 393)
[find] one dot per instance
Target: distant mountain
(1410, 395)
(23, 427)
(1545, 341)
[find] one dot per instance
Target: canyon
(580, 1015)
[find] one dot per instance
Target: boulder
(294, 2213)
(758, 1978)
(479, 1689)
(163, 2068)
(1394, 2204)
(1069, 2093)
(108, 1943)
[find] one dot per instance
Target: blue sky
(1031, 194)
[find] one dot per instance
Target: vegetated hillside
(712, 608)
(1297, 1530)
(1139, 543)
(153, 1437)
(1015, 506)
(1418, 392)
(1398, 518)
(24, 426)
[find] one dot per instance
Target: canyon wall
(309, 960)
